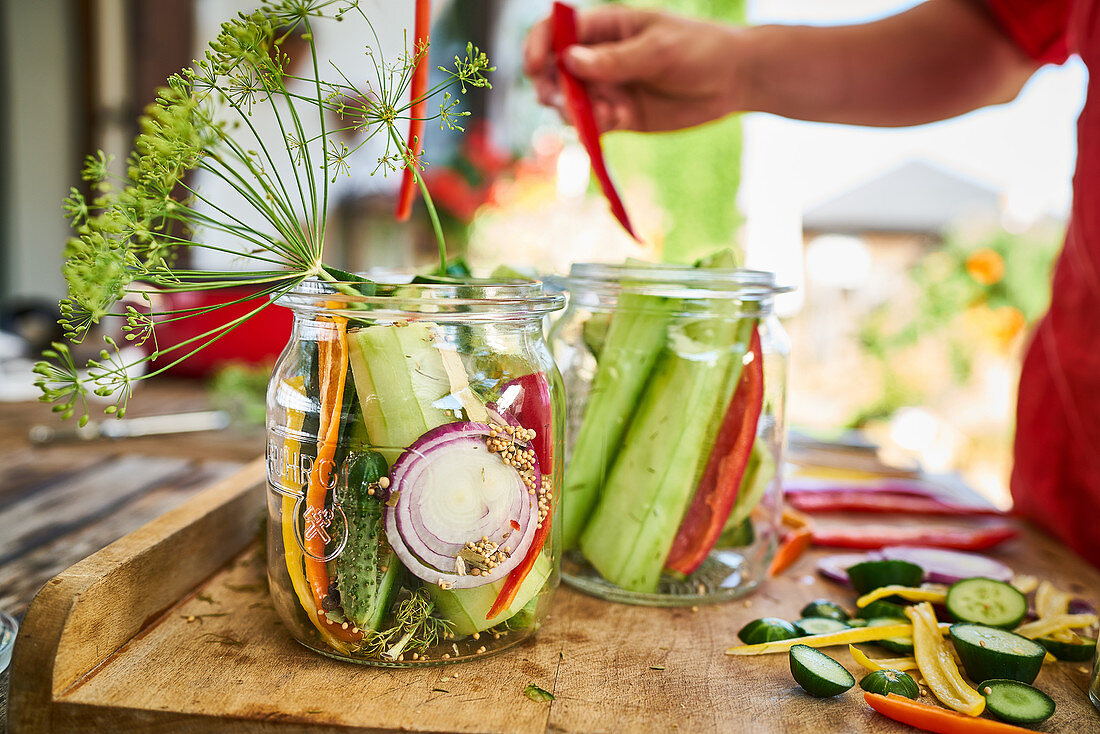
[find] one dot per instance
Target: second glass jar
(675, 379)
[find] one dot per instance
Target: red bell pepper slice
(532, 408)
(790, 550)
(869, 500)
(564, 26)
(871, 537)
(527, 399)
(935, 719)
(418, 87)
(717, 490)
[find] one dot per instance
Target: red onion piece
(891, 485)
(450, 490)
(835, 567)
(1081, 606)
(943, 566)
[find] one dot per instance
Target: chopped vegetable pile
(983, 663)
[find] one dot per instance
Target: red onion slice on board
(943, 566)
(835, 567)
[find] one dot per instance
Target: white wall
(40, 156)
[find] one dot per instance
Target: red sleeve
(1039, 27)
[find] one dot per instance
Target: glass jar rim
(396, 298)
(673, 280)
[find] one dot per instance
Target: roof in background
(914, 196)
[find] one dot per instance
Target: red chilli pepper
(717, 490)
(515, 578)
(418, 87)
(871, 537)
(870, 500)
(564, 25)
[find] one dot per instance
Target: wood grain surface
(63, 501)
(218, 659)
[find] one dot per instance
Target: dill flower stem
(428, 202)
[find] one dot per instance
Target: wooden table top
(611, 667)
(61, 502)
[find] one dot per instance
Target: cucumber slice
(856, 622)
(902, 645)
(885, 682)
(1015, 702)
(1074, 652)
(986, 601)
(882, 608)
(820, 625)
(741, 535)
(870, 575)
(817, 673)
(824, 608)
(991, 653)
(769, 629)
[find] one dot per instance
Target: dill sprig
(414, 629)
(129, 233)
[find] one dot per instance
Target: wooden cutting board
(171, 629)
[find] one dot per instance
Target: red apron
(1056, 476)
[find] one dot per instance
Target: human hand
(645, 70)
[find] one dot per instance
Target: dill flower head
(131, 229)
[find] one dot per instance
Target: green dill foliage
(129, 232)
(414, 629)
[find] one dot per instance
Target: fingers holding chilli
(611, 23)
(538, 55)
(629, 60)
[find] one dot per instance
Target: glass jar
(1094, 687)
(675, 380)
(413, 452)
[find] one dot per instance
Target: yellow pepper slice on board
(1050, 600)
(881, 663)
(1050, 625)
(937, 666)
(1025, 584)
(937, 594)
(859, 634)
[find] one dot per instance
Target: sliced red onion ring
(1078, 605)
(947, 566)
(891, 485)
(450, 490)
(835, 567)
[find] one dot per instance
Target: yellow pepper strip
(936, 665)
(881, 663)
(291, 550)
(1025, 584)
(1050, 601)
(931, 592)
(795, 519)
(1049, 625)
(1067, 636)
(859, 634)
